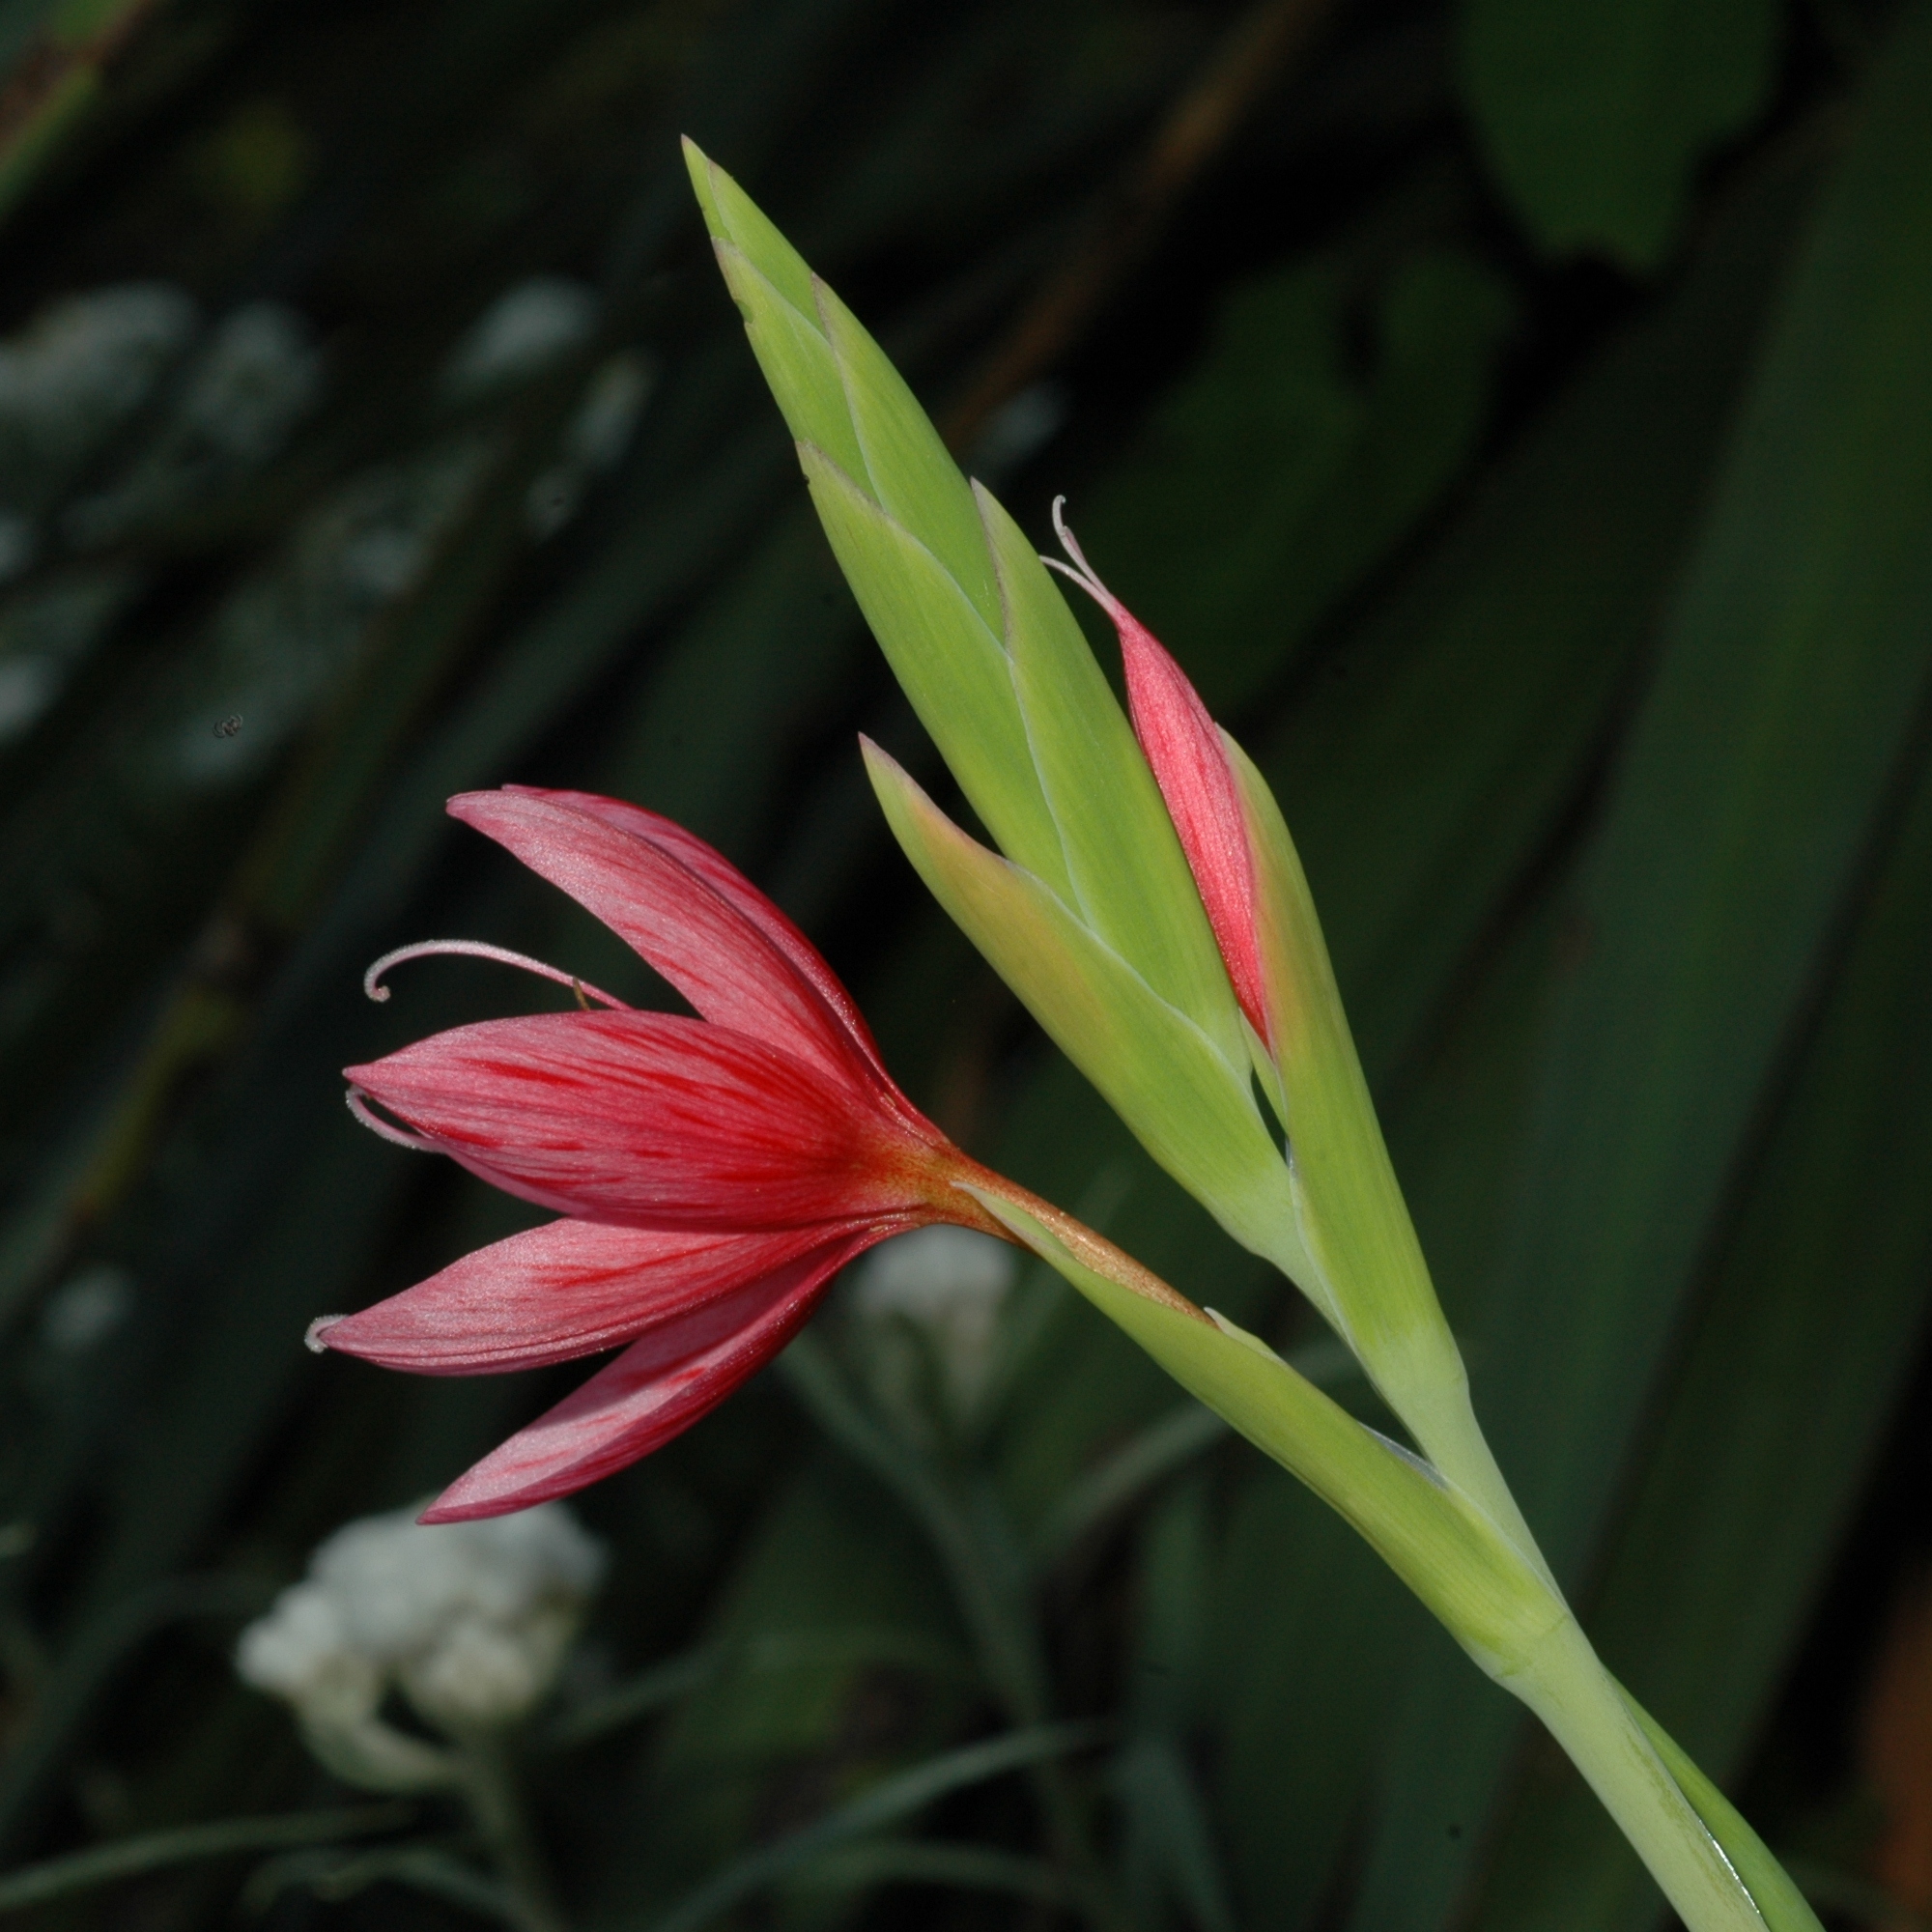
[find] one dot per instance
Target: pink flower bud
(1190, 764)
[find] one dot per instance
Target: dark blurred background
(1516, 417)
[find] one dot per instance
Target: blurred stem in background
(490, 1783)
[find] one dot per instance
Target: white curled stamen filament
(477, 949)
(358, 1105)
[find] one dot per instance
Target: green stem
(1561, 1677)
(1663, 1804)
(1468, 1557)
(1566, 1685)
(1445, 1425)
(1779, 1898)
(489, 1785)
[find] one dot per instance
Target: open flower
(714, 1173)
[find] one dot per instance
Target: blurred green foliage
(1521, 429)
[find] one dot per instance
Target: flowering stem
(489, 1783)
(1436, 1409)
(1483, 1578)
(1566, 1685)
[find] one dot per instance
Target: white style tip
(1080, 571)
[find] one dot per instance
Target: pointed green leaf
(1169, 1848)
(182, 1844)
(952, 666)
(1189, 1108)
(910, 472)
(1130, 877)
(884, 1804)
(1355, 1221)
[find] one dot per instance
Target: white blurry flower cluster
(941, 1288)
(471, 1621)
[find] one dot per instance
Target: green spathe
(1163, 1076)
(1094, 920)
(972, 625)
(1349, 1210)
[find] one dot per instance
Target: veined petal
(738, 891)
(655, 1119)
(552, 1294)
(1183, 745)
(690, 913)
(658, 1387)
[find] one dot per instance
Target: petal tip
(468, 1499)
(441, 1510)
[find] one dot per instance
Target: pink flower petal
(570, 1288)
(730, 885)
(699, 921)
(655, 1119)
(1197, 784)
(657, 1388)
(1183, 745)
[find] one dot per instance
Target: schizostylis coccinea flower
(1142, 899)
(714, 1173)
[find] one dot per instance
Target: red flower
(1183, 744)
(716, 1173)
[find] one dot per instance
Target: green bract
(1157, 1069)
(1349, 1210)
